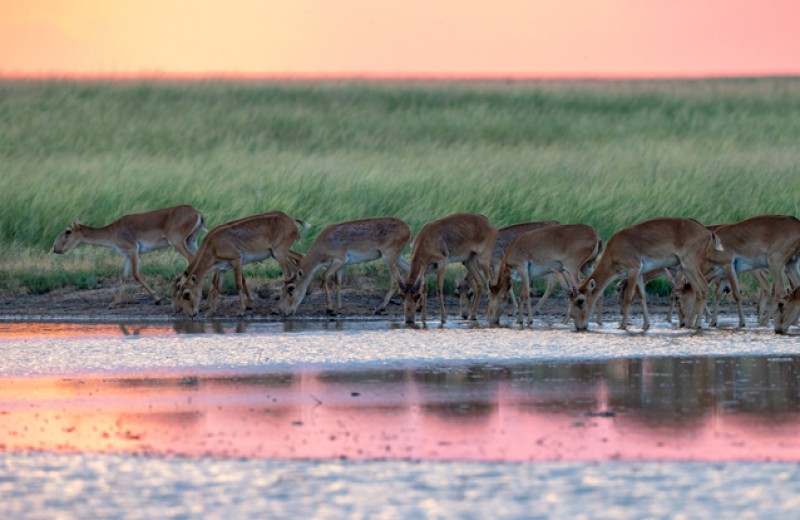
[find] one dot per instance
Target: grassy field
(604, 153)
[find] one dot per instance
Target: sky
(412, 38)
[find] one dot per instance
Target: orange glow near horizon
(448, 38)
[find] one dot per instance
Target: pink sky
(411, 38)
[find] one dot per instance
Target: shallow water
(500, 422)
(709, 409)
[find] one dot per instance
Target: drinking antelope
(636, 250)
(538, 253)
(343, 244)
(788, 311)
(462, 237)
(763, 242)
(231, 246)
(466, 289)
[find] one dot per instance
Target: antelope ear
(75, 224)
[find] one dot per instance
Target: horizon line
(362, 76)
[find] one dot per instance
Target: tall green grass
(608, 154)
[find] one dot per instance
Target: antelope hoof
(379, 310)
(330, 312)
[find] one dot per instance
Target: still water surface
(683, 407)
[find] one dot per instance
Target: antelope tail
(302, 223)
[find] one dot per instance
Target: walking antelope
(462, 237)
(344, 244)
(136, 234)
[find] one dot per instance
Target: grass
(605, 153)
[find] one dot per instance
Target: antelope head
(292, 292)
(411, 293)
(68, 238)
(465, 293)
(788, 310)
(684, 298)
(189, 294)
(498, 295)
(579, 298)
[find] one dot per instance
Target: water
(374, 419)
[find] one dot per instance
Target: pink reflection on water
(401, 414)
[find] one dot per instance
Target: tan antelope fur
(537, 254)
(231, 246)
(788, 311)
(344, 244)
(136, 234)
(216, 282)
(635, 251)
(769, 242)
(466, 287)
(463, 237)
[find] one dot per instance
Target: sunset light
(510, 38)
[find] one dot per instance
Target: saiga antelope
(231, 246)
(136, 234)
(636, 250)
(539, 253)
(462, 237)
(343, 244)
(466, 287)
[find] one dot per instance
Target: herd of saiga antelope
(768, 246)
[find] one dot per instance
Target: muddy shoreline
(91, 305)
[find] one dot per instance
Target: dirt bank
(359, 299)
